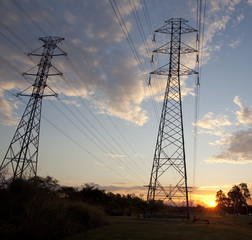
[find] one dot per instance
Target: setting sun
(211, 204)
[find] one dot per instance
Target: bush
(30, 211)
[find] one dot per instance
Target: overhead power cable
(140, 27)
(45, 18)
(29, 17)
(128, 37)
(83, 148)
(127, 142)
(111, 137)
(105, 140)
(99, 144)
(158, 78)
(147, 16)
(200, 48)
(133, 49)
(38, 26)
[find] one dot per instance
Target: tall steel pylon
(21, 158)
(168, 180)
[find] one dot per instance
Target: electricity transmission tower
(168, 180)
(22, 155)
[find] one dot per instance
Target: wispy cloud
(236, 147)
(218, 16)
(120, 156)
(235, 43)
(240, 18)
(244, 115)
(101, 70)
(105, 71)
(7, 115)
(213, 122)
(70, 18)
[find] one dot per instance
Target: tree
(223, 202)
(239, 196)
(245, 191)
(236, 200)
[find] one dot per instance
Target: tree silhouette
(239, 196)
(236, 200)
(223, 202)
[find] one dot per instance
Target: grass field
(127, 228)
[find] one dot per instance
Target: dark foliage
(235, 202)
(32, 209)
(40, 208)
(112, 204)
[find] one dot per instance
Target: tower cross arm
(184, 49)
(176, 24)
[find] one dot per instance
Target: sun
(211, 204)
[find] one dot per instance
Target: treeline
(112, 204)
(235, 202)
(42, 209)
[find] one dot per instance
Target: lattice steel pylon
(21, 158)
(168, 180)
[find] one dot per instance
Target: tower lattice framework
(21, 158)
(168, 180)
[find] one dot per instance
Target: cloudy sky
(103, 127)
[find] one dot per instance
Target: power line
(127, 142)
(131, 171)
(42, 29)
(134, 163)
(15, 35)
(114, 140)
(29, 17)
(45, 18)
(144, 39)
(140, 28)
(8, 91)
(83, 148)
(128, 37)
(133, 49)
(157, 83)
(199, 44)
(14, 44)
(146, 14)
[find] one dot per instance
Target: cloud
(237, 150)
(240, 18)
(218, 16)
(71, 102)
(108, 72)
(99, 68)
(233, 147)
(235, 43)
(209, 121)
(244, 116)
(7, 115)
(115, 155)
(70, 18)
(129, 112)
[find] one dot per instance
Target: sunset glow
(212, 204)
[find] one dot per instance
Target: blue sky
(103, 127)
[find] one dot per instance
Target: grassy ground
(127, 228)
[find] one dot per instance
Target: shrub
(30, 211)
